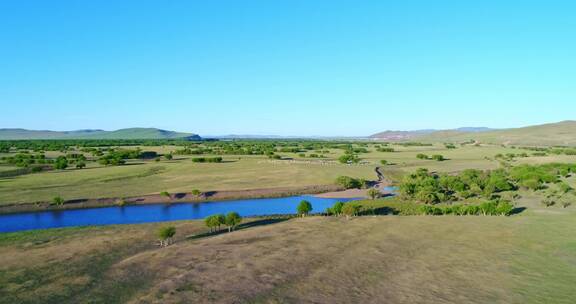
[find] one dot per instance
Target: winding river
(133, 214)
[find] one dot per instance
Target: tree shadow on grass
(517, 210)
(252, 224)
(379, 211)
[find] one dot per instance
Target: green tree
(165, 194)
(337, 208)
(61, 163)
(168, 156)
(373, 193)
(80, 165)
(196, 192)
(421, 156)
(304, 208)
(165, 234)
(233, 219)
(384, 162)
(58, 201)
(350, 210)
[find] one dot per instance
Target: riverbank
(173, 198)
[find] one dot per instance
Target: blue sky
(286, 67)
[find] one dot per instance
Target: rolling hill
(562, 134)
(130, 133)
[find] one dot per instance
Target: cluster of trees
(429, 188)
(217, 159)
(25, 160)
(502, 208)
(118, 157)
(415, 144)
(436, 157)
(231, 220)
(342, 209)
(68, 144)
(385, 149)
(349, 158)
(348, 182)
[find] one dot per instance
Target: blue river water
(133, 214)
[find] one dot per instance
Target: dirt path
(380, 184)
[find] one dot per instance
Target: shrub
(58, 201)
(373, 193)
(165, 234)
(336, 209)
(438, 157)
(421, 156)
(349, 183)
(350, 210)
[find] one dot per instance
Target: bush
(165, 234)
(421, 156)
(336, 209)
(438, 157)
(350, 183)
(58, 201)
(350, 209)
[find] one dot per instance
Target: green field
(240, 172)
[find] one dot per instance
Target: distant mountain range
(406, 135)
(561, 133)
(130, 133)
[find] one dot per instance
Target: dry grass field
(527, 258)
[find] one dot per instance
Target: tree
(348, 182)
(421, 156)
(196, 192)
(384, 162)
(349, 159)
(233, 219)
(337, 208)
(61, 163)
(350, 210)
(80, 165)
(168, 156)
(220, 220)
(165, 194)
(373, 193)
(58, 201)
(304, 208)
(165, 234)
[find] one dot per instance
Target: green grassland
(241, 172)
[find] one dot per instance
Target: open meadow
(140, 177)
(526, 258)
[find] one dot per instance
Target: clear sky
(284, 67)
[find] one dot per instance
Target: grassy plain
(527, 258)
(239, 172)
